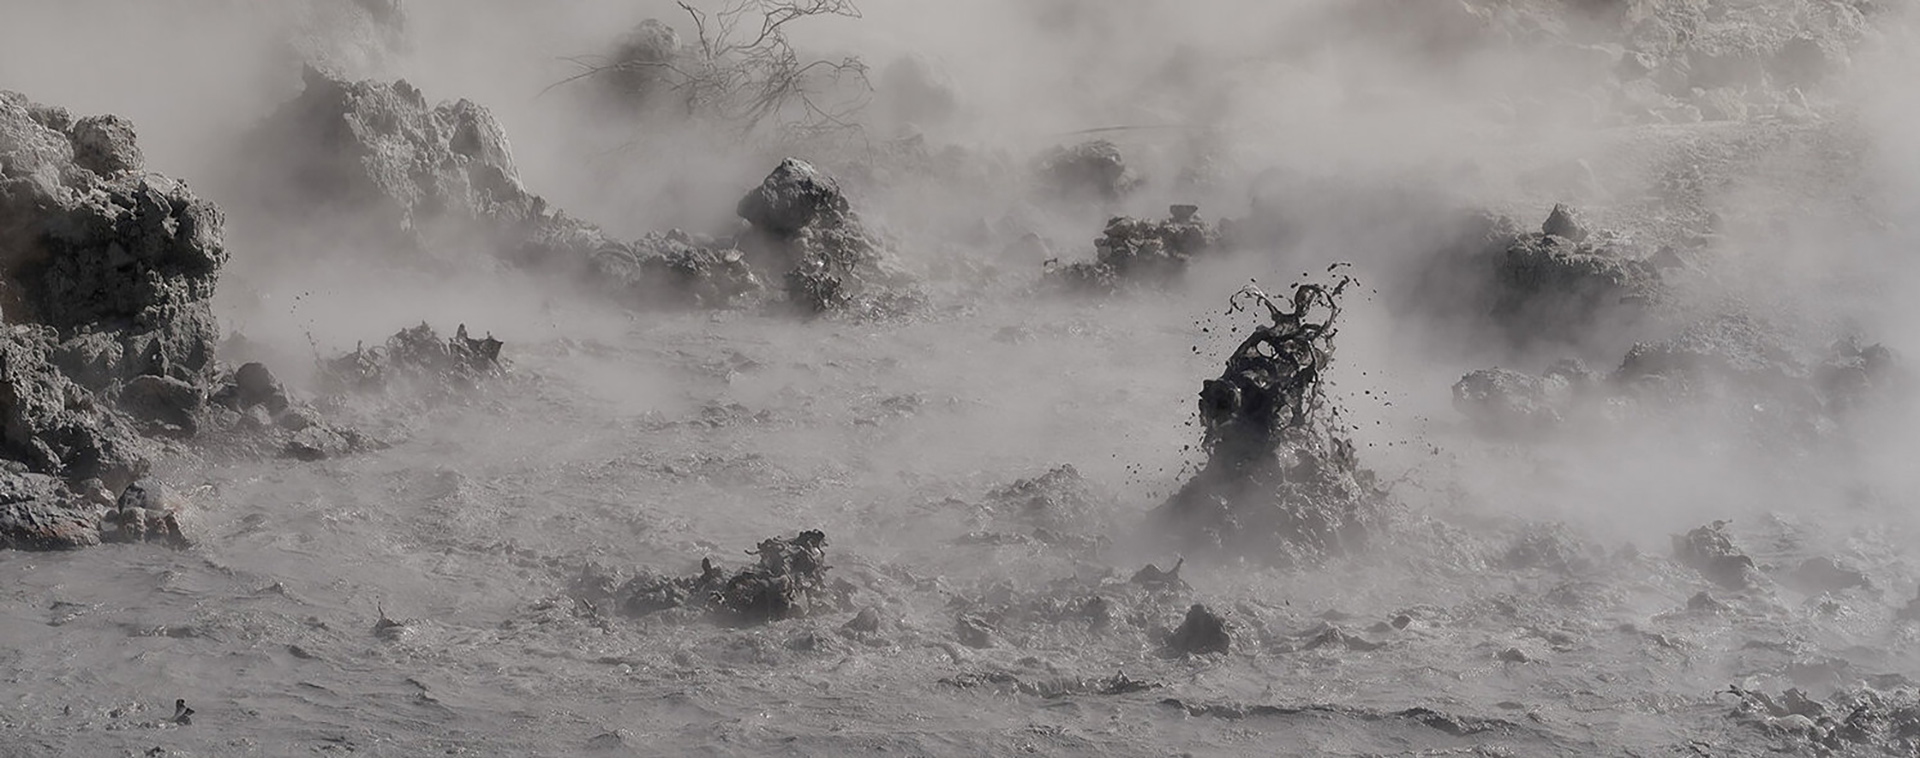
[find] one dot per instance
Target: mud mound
(790, 574)
(1281, 482)
(1138, 252)
(803, 224)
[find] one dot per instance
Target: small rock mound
(1710, 551)
(1136, 251)
(1201, 633)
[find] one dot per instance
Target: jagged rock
(867, 621)
(1202, 632)
(55, 426)
(105, 145)
(792, 198)
(38, 513)
(1092, 171)
(1564, 222)
(254, 384)
(376, 160)
(1710, 551)
(126, 263)
(162, 405)
(1152, 577)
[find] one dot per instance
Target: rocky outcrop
(803, 224)
(106, 273)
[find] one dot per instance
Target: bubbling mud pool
(415, 601)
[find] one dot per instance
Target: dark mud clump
(418, 362)
(1139, 252)
(790, 574)
(106, 273)
(1281, 482)
(1202, 632)
(803, 225)
(1710, 551)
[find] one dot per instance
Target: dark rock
(55, 426)
(256, 385)
(867, 621)
(1702, 601)
(792, 198)
(163, 405)
(316, 443)
(803, 225)
(1710, 551)
(1565, 222)
(1151, 577)
(1202, 632)
(1059, 500)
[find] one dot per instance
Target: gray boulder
(105, 146)
(791, 198)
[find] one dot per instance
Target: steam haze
(1528, 582)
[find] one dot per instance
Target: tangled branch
(741, 68)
